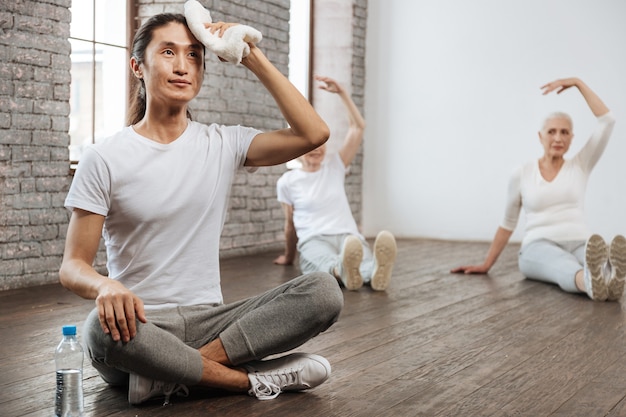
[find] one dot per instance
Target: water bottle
(69, 365)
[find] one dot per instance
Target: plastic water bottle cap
(69, 330)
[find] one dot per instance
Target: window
(299, 45)
(98, 91)
(300, 52)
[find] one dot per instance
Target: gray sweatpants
(553, 262)
(323, 253)
(165, 348)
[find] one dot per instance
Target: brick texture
(34, 122)
(33, 36)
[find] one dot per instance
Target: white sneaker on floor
(351, 257)
(141, 389)
(385, 251)
(293, 372)
(596, 257)
(617, 260)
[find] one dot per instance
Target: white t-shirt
(555, 210)
(165, 206)
(319, 201)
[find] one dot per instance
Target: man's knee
(327, 293)
(95, 339)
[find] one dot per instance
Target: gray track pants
(165, 348)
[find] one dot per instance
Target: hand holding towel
(232, 46)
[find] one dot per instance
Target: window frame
(132, 25)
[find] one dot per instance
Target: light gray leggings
(165, 348)
(323, 253)
(552, 262)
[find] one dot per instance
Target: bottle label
(69, 393)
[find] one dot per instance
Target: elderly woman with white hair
(558, 247)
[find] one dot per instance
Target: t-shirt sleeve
(91, 186)
(336, 162)
(282, 190)
(242, 137)
(513, 201)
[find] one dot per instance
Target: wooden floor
(434, 344)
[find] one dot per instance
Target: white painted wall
(453, 105)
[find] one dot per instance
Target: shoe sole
(351, 263)
(133, 389)
(596, 254)
(385, 251)
(617, 259)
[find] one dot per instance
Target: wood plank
(434, 344)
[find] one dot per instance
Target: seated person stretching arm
(557, 246)
(319, 225)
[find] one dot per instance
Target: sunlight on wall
(299, 45)
(299, 30)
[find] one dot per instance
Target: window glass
(99, 72)
(81, 97)
(111, 91)
(111, 22)
(299, 54)
(82, 20)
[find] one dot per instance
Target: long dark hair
(143, 37)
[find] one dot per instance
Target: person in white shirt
(319, 225)
(557, 246)
(157, 192)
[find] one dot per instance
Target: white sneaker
(142, 389)
(617, 260)
(385, 251)
(351, 257)
(294, 372)
(596, 256)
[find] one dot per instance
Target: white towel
(232, 46)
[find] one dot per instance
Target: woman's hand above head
(594, 102)
(470, 269)
(329, 84)
(354, 135)
(560, 85)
